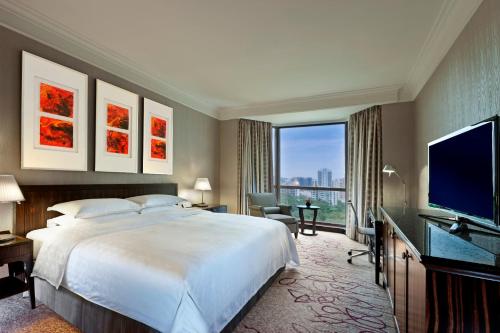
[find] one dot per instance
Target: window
(310, 163)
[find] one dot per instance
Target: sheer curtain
(365, 166)
(254, 160)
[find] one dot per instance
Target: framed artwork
(157, 155)
(116, 135)
(54, 116)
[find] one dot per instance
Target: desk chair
(367, 231)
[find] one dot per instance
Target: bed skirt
(93, 318)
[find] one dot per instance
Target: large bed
(173, 270)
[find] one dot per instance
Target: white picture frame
(53, 116)
(116, 135)
(158, 138)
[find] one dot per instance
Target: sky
(305, 150)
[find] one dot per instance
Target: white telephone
(185, 204)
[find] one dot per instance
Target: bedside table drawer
(18, 254)
(15, 252)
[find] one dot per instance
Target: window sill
(329, 227)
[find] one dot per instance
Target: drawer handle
(406, 255)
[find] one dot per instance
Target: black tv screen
(462, 172)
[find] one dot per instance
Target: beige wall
(464, 89)
(397, 144)
(196, 136)
(229, 164)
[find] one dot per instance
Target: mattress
(39, 236)
(176, 271)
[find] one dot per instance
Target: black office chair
(367, 231)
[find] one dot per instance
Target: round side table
(302, 223)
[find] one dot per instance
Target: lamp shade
(9, 190)
(202, 184)
(388, 169)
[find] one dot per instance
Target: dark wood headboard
(32, 214)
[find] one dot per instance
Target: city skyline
(324, 179)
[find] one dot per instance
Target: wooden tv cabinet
(436, 281)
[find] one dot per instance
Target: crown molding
(389, 94)
(35, 25)
(452, 19)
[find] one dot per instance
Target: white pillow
(88, 208)
(156, 200)
(63, 220)
(159, 209)
(68, 220)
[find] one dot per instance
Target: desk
(437, 281)
(302, 222)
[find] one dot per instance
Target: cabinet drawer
(400, 284)
(416, 280)
(15, 252)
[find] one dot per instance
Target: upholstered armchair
(265, 205)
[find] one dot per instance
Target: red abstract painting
(55, 132)
(56, 100)
(158, 149)
(117, 142)
(158, 127)
(117, 117)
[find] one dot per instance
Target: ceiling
(244, 58)
(311, 117)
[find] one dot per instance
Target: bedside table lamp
(202, 184)
(389, 169)
(9, 192)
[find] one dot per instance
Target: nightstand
(18, 254)
(216, 208)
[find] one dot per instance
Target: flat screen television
(463, 173)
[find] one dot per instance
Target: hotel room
(249, 166)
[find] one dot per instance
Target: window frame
(335, 227)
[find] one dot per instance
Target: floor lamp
(389, 169)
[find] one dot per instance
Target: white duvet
(176, 271)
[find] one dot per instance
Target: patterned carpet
(325, 294)
(16, 316)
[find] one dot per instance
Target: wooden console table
(437, 281)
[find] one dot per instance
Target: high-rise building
(325, 177)
(305, 181)
(324, 180)
(338, 196)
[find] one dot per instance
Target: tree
(327, 212)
